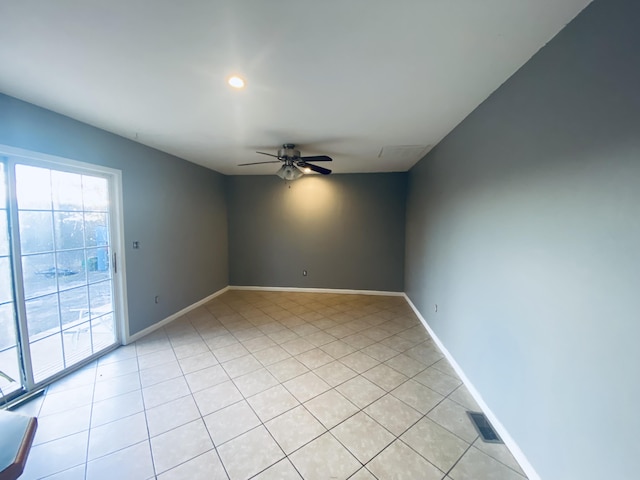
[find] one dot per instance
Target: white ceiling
(338, 77)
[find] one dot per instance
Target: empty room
(319, 240)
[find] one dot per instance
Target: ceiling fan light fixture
(289, 172)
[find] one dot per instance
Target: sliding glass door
(59, 290)
(10, 371)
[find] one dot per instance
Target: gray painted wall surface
(523, 225)
(347, 231)
(175, 209)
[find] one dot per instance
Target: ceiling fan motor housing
(288, 152)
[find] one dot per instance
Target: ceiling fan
(293, 162)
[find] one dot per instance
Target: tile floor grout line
(396, 438)
(245, 400)
(88, 429)
(458, 460)
(439, 469)
(146, 422)
(263, 425)
(479, 438)
(199, 412)
(215, 448)
(86, 457)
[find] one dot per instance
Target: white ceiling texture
(371, 83)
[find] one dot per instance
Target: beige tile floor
(269, 385)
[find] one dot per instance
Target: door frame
(116, 213)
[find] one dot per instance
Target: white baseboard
(502, 431)
(319, 290)
(171, 318)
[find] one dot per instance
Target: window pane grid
(64, 228)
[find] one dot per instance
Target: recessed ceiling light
(236, 82)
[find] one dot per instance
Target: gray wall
(523, 225)
(175, 209)
(347, 231)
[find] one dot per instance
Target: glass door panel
(10, 379)
(65, 255)
(10, 376)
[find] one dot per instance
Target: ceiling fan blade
(316, 168)
(319, 158)
(257, 163)
(270, 154)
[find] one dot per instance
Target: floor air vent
(484, 428)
